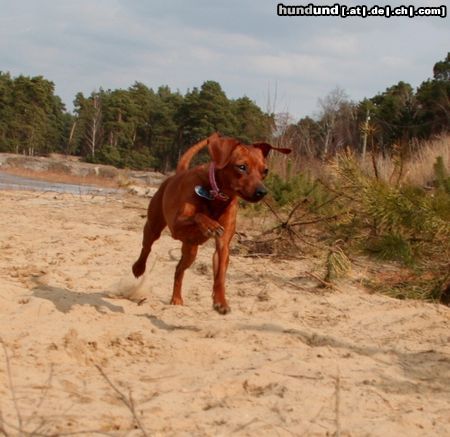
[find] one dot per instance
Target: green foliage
(139, 159)
(251, 122)
(393, 115)
(31, 116)
(441, 174)
(281, 190)
(441, 70)
(306, 135)
(137, 127)
(286, 192)
(433, 106)
(391, 247)
(107, 155)
(141, 128)
(148, 127)
(353, 210)
(440, 201)
(123, 158)
(406, 223)
(432, 287)
(395, 118)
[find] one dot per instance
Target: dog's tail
(186, 158)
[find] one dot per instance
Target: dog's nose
(260, 192)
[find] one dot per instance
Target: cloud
(288, 65)
(336, 45)
(84, 45)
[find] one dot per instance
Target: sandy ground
(290, 359)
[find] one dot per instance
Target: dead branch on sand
(127, 401)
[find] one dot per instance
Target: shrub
(287, 192)
(383, 210)
(441, 174)
(123, 158)
(403, 223)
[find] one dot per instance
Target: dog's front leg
(185, 225)
(221, 259)
(188, 254)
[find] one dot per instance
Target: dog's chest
(216, 209)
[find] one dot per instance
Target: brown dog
(195, 209)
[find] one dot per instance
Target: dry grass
(418, 169)
(50, 176)
(290, 165)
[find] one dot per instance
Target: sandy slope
(289, 359)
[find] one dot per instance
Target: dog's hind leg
(152, 231)
(188, 254)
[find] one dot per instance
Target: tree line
(398, 119)
(144, 128)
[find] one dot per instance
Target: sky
(284, 64)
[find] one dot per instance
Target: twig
(322, 281)
(259, 255)
(382, 398)
(241, 427)
(290, 230)
(273, 211)
(134, 207)
(128, 402)
(20, 426)
(36, 430)
(313, 420)
(11, 387)
(298, 376)
(338, 404)
(43, 396)
(2, 428)
(58, 434)
(323, 204)
(285, 223)
(305, 198)
(328, 201)
(304, 240)
(141, 301)
(310, 222)
(336, 192)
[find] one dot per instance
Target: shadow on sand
(64, 299)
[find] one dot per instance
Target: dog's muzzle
(260, 192)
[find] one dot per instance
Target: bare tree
(94, 131)
(330, 106)
(282, 133)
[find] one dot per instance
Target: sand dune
(290, 359)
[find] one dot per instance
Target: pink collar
(215, 191)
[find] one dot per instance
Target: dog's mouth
(255, 198)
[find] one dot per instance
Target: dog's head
(243, 167)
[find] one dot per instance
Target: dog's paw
(221, 308)
(138, 268)
(211, 228)
(215, 231)
(208, 227)
(176, 301)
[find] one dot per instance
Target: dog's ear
(266, 148)
(220, 149)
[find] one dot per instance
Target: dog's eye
(242, 168)
(265, 172)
